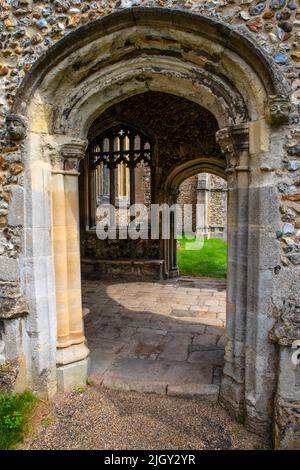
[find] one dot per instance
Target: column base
(259, 423)
(174, 272)
(232, 397)
(72, 367)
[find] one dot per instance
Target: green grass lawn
(15, 411)
(210, 260)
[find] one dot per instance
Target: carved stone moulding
(72, 153)
(233, 140)
(16, 127)
(278, 109)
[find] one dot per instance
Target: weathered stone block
(9, 269)
(8, 376)
(208, 392)
(72, 375)
(16, 208)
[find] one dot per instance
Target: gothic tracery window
(119, 171)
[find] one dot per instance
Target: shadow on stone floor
(177, 352)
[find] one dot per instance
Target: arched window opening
(118, 172)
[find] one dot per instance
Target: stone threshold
(159, 377)
(195, 391)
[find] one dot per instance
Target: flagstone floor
(164, 337)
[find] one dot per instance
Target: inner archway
(202, 203)
(180, 132)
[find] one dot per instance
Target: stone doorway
(230, 78)
(147, 329)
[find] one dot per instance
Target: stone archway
(98, 65)
(175, 178)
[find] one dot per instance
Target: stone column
(72, 155)
(202, 206)
(72, 353)
(60, 260)
(173, 267)
(234, 142)
(264, 276)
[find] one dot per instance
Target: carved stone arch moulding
(179, 174)
(235, 95)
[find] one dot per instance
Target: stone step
(205, 392)
(161, 377)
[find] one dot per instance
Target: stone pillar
(234, 142)
(173, 267)
(72, 155)
(60, 259)
(72, 353)
(261, 365)
(202, 205)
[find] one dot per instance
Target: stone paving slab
(175, 347)
(100, 362)
(164, 337)
(205, 340)
(215, 358)
(107, 345)
(146, 344)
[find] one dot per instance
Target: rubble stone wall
(216, 201)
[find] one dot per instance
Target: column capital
(233, 141)
(278, 108)
(72, 152)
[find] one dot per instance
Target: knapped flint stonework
(188, 195)
(268, 36)
(95, 249)
(216, 202)
(286, 329)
